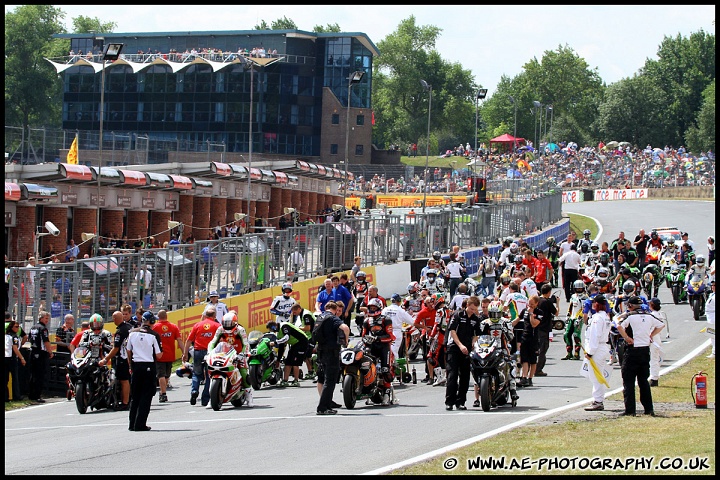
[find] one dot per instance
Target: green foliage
(32, 92)
(283, 23)
(329, 28)
(701, 136)
(83, 24)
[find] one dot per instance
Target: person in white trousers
(656, 351)
(596, 347)
(710, 314)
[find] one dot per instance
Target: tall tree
(283, 23)
(83, 24)
(32, 92)
(329, 28)
(701, 137)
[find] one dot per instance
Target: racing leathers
(281, 306)
(488, 327)
(379, 329)
(573, 325)
(237, 337)
(436, 286)
(99, 342)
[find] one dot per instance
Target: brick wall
(201, 218)
(137, 225)
(158, 223)
(111, 221)
(184, 215)
(58, 216)
(84, 220)
(276, 206)
(218, 212)
(24, 233)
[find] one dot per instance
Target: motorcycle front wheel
(255, 374)
(676, 294)
(485, 388)
(82, 397)
(216, 393)
(697, 307)
(349, 396)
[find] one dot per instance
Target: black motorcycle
(92, 386)
(490, 368)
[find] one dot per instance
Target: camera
(50, 227)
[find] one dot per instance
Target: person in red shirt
(76, 339)
(169, 336)
(200, 336)
(530, 263)
(425, 320)
(543, 270)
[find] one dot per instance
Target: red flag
(373, 117)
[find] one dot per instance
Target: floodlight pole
(428, 88)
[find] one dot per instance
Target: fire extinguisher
(698, 389)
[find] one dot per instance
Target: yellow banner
(409, 201)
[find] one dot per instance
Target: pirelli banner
(253, 309)
(620, 194)
(398, 201)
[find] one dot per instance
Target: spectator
(144, 279)
(342, 294)
(324, 296)
(84, 326)
(220, 308)
(462, 332)
(65, 334)
(72, 250)
(12, 356)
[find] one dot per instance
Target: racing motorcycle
(92, 386)
(263, 356)
(414, 340)
(361, 378)
(676, 279)
(226, 382)
(666, 264)
(490, 368)
(697, 295)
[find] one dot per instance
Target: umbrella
(552, 147)
(610, 145)
(526, 147)
(624, 144)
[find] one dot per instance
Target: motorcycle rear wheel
(216, 393)
(82, 397)
(485, 387)
(349, 396)
(255, 374)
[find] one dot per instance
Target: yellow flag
(72, 156)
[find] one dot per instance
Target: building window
(358, 149)
(361, 120)
(336, 119)
(333, 149)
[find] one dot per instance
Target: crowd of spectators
(567, 165)
(208, 53)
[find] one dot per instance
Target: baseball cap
(395, 298)
(600, 299)
(635, 300)
(213, 293)
(684, 234)
(148, 317)
(655, 302)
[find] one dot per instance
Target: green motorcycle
(263, 357)
(676, 280)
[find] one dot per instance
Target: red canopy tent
(508, 140)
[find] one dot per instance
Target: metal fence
(182, 275)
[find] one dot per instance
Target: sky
(489, 40)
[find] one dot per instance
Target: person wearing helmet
(398, 316)
(439, 263)
(377, 333)
(436, 343)
(359, 291)
(96, 338)
(294, 337)
(553, 254)
(574, 321)
(699, 269)
(603, 281)
(630, 288)
(586, 240)
(496, 320)
(433, 282)
(281, 304)
(143, 351)
(503, 288)
(220, 307)
(670, 250)
(603, 261)
(412, 303)
(169, 338)
(636, 361)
